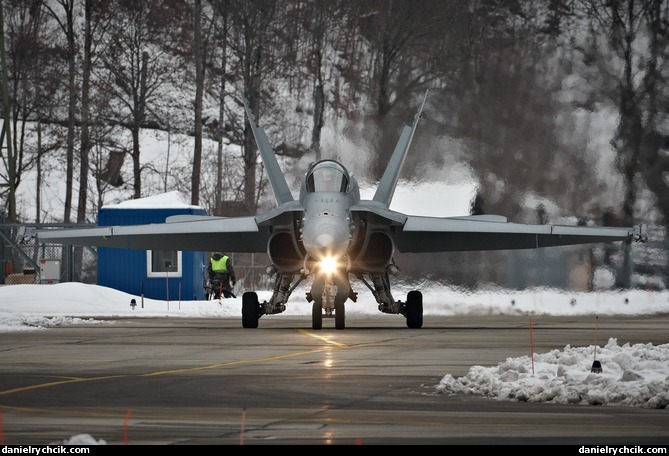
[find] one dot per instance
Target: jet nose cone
(324, 241)
(326, 236)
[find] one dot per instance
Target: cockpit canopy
(327, 176)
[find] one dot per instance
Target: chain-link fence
(23, 255)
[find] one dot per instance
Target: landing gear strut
(412, 309)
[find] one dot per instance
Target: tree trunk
(199, 88)
(136, 167)
(85, 99)
(221, 115)
(72, 109)
(5, 136)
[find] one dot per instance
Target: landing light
(328, 265)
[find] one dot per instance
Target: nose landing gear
(329, 303)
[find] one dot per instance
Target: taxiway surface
(191, 381)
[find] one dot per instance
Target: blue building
(155, 274)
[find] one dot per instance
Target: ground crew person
(221, 274)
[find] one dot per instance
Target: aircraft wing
(435, 234)
(181, 232)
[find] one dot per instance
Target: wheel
(250, 310)
(414, 309)
(340, 315)
(316, 316)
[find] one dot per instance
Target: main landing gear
(328, 297)
(250, 309)
(413, 309)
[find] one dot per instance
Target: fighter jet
(330, 236)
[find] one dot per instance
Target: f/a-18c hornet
(330, 236)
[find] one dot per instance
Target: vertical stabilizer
(281, 190)
(386, 189)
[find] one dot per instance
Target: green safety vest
(219, 265)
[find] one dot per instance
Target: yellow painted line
(332, 344)
(61, 382)
(324, 339)
(336, 345)
(60, 411)
(232, 363)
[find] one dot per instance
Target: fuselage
(327, 195)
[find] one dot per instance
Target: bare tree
(139, 62)
(655, 164)
(199, 51)
(625, 18)
(32, 60)
(221, 12)
(401, 37)
(65, 20)
(96, 17)
(203, 27)
(319, 25)
(630, 38)
(9, 159)
(250, 42)
(221, 110)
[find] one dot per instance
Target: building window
(163, 263)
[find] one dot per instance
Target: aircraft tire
(414, 309)
(340, 315)
(250, 309)
(316, 316)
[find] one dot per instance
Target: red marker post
(531, 347)
(241, 434)
(125, 426)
